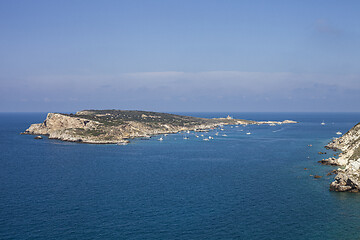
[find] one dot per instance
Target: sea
(234, 186)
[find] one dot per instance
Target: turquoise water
(234, 187)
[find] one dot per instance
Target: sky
(180, 55)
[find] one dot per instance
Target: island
(118, 126)
(348, 175)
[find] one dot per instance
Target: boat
(122, 143)
(206, 139)
(210, 137)
(248, 133)
(160, 139)
(224, 135)
(196, 136)
(217, 134)
(186, 138)
(323, 123)
(338, 133)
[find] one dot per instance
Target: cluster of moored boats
(205, 138)
(208, 138)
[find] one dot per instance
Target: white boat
(186, 138)
(323, 123)
(160, 139)
(196, 136)
(248, 133)
(217, 134)
(224, 135)
(210, 137)
(338, 133)
(206, 139)
(122, 143)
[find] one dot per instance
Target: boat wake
(281, 129)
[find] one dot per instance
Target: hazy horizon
(180, 56)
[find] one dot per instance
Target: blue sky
(180, 55)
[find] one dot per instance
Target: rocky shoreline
(118, 126)
(348, 175)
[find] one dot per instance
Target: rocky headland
(118, 126)
(348, 175)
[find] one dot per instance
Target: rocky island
(118, 126)
(348, 175)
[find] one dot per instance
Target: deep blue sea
(237, 186)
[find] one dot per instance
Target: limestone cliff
(348, 177)
(116, 126)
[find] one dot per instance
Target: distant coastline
(118, 126)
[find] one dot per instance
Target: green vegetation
(83, 132)
(119, 117)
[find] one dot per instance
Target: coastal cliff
(348, 175)
(117, 126)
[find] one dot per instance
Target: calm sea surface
(237, 186)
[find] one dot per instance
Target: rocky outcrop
(347, 180)
(116, 126)
(276, 122)
(72, 129)
(348, 176)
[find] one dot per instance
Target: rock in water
(345, 182)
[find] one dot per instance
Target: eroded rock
(348, 176)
